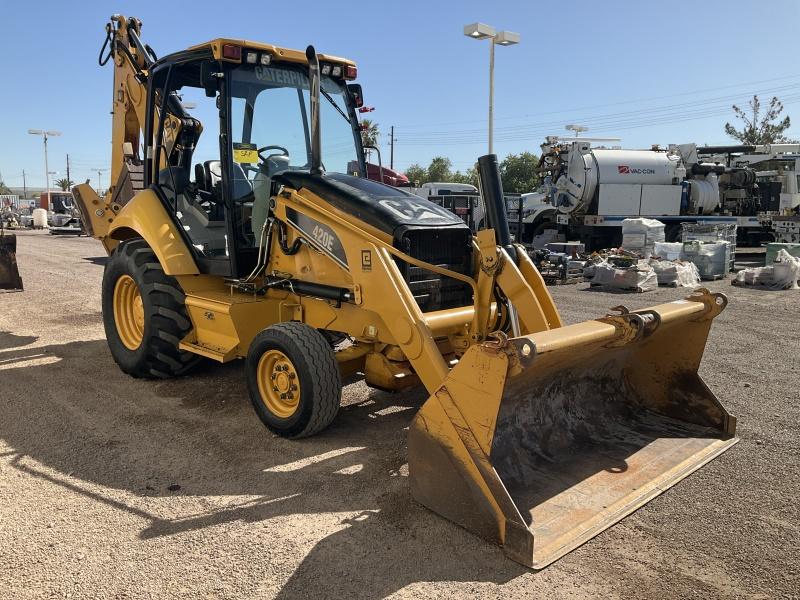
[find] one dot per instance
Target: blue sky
(649, 72)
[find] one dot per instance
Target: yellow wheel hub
(128, 312)
(278, 383)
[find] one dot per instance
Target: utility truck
(777, 172)
(588, 191)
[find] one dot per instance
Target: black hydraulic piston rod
(495, 202)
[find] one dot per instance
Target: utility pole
(391, 147)
(68, 179)
(24, 186)
(99, 181)
(45, 135)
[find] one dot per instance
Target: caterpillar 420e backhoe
(242, 230)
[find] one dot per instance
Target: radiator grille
(449, 248)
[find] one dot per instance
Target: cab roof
(277, 52)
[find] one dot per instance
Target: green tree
(417, 175)
(519, 173)
(760, 128)
(369, 132)
(439, 169)
(64, 183)
(4, 189)
(469, 176)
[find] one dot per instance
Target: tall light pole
(45, 135)
(481, 31)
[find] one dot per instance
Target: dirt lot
(113, 487)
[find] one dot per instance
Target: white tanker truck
(589, 191)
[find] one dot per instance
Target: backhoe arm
(131, 62)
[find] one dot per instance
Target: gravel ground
(115, 487)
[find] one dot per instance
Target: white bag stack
(638, 278)
(712, 259)
(676, 274)
(640, 235)
(783, 274)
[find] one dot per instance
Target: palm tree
(64, 183)
(369, 132)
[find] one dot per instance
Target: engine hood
(384, 207)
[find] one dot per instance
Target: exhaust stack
(314, 84)
(495, 202)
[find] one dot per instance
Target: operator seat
(241, 186)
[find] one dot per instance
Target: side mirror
(357, 93)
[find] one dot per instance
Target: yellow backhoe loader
(247, 229)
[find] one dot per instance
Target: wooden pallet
(636, 290)
(714, 277)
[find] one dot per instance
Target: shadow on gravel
(9, 340)
(198, 436)
(96, 260)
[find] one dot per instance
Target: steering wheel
(283, 152)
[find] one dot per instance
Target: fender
(145, 217)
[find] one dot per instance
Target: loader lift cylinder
(494, 201)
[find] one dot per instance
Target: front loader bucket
(543, 441)
(9, 274)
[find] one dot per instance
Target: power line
(720, 102)
(418, 125)
(599, 123)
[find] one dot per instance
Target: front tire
(144, 314)
(293, 380)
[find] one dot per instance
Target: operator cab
(229, 119)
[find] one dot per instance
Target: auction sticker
(245, 153)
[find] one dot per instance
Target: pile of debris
(560, 262)
(646, 261)
(675, 273)
(620, 270)
(782, 274)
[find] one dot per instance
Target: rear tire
(144, 314)
(293, 380)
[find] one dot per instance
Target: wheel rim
(128, 312)
(278, 383)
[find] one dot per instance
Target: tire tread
(168, 319)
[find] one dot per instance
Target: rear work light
(326, 69)
(266, 59)
(232, 52)
(251, 58)
(350, 71)
(337, 71)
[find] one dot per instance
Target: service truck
(588, 192)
